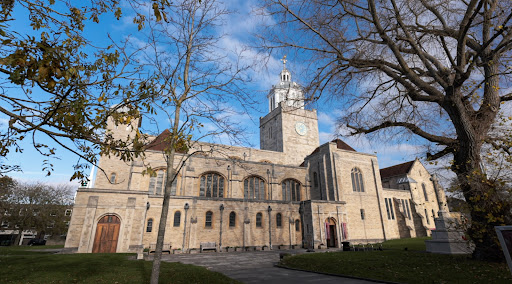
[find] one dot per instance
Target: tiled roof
(160, 143)
(339, 144)
(396, 170)
(342, 145)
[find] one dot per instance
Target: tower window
(424, 191)
(259, 218)
(357, 180)
(113, 178)
(149, 227)
(297, 225)
(279, 220)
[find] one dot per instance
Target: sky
(240, 29)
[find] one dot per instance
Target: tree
(38, 207)
(56, 83)
(438, 70)
(195, 81)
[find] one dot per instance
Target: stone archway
(107, 233)
(331, 232)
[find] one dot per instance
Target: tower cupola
(286, 91)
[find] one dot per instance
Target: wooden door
(107, 233)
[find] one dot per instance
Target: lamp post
(269, 209)
(186, 207)
(221, 208)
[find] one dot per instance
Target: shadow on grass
(97, 268)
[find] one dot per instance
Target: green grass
(410, 244)
(398, 265)
(18, 265)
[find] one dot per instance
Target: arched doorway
(330, 233)
(107, 233)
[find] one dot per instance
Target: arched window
(177, 219)
(433, 214)
(157, 183)
(426, 217)
(212, 185)
(259, 218)
(424, 191)
(149, 227)
(113, 178)
(357, 180)
(279, 220)
(208, 219)
(297, 225)
(232, 219)
(254, 188)
(291, 190)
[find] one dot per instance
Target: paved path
(255, 267)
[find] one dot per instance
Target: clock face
(301, 128)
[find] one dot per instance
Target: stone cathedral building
(291, 192)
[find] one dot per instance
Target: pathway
(255, 267)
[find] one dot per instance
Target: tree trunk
(488, 208)
(18, 237)
(171, 176)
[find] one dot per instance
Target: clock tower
(289, 127)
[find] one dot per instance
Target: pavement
(255, 267)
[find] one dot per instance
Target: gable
(396, 170)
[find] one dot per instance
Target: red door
(107, 233)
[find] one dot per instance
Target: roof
(342, 145)
(339, 144)
(396, 170)
(161, 143)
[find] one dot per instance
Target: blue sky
(240, 28)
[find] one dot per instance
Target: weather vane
(284, 62)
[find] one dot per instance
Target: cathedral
(293, 192)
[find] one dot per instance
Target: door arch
(107, 234)
(331, 232)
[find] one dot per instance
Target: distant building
(291, 192)
(54, 231)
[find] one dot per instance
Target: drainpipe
(269, 227)
(221, 208)
(185, 227)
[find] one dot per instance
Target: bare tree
(439, 70)
(196, 82)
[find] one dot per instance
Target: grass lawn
(18, 265)
(397, 265)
